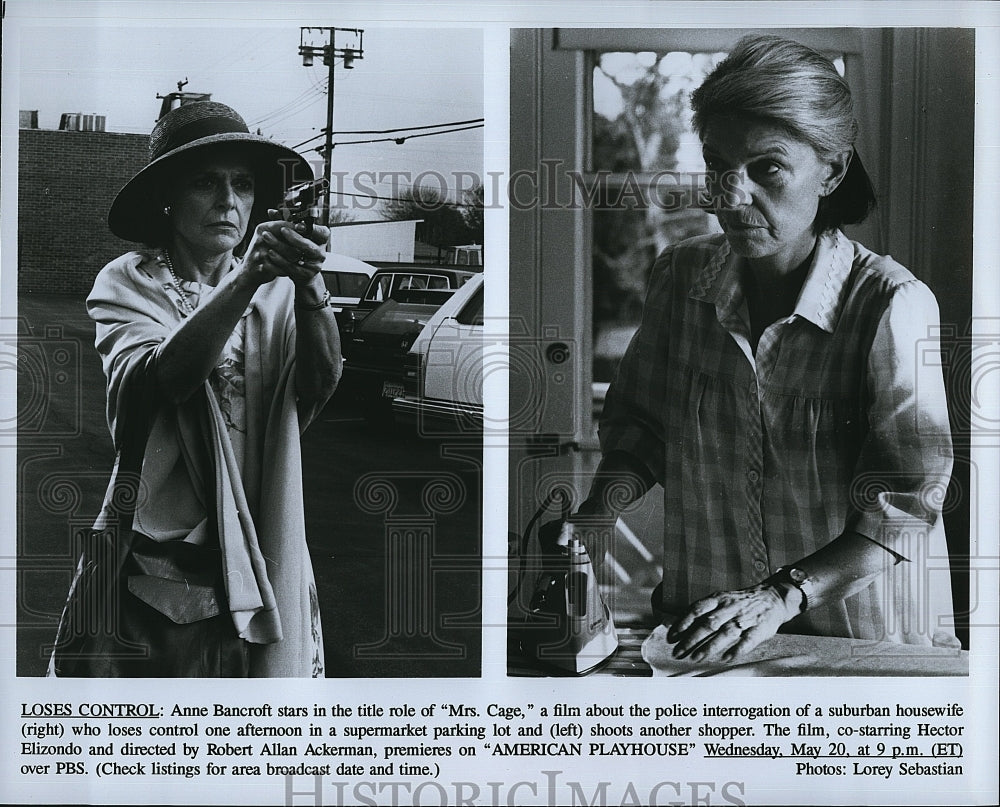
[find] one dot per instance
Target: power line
(410, 128)
(302, 96)
(294, 105)
(394, 131)
(308, 103)
(315, 92)
(397, 140)
(416, 202)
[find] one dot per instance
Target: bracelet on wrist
(323, 303)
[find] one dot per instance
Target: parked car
(374, 353)
(443, 371)
(386, 283)
(346, 279)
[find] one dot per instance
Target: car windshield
(346, 284)
(379, 289)
(383, 286)
(472, 313)
(395, 317)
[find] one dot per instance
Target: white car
(443, 371)
(346, 279)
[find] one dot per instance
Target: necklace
(185, 302)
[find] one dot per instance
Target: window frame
(571, 109)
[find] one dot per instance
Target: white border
(979, 694)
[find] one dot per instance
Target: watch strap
(797, 577)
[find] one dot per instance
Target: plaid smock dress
(838, 421)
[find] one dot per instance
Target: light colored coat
(258, 508)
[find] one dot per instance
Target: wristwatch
(798, 578)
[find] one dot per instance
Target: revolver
(300, 204)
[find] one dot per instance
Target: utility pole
(308, 50)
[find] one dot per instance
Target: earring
(166, 210)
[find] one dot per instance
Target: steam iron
(569, 626)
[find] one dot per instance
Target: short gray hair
(783, 82)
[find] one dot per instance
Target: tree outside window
(644, 144)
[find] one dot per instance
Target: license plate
(392, 389)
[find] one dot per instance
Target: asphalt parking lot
(394, 521)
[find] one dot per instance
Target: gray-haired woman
(774, 387)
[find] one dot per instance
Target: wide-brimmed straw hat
(137, 211)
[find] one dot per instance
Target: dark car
(376, 350)
(386, 283)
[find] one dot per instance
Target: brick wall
(66, 183)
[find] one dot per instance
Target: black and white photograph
(224, 279)
(429, 402)
(767, 469)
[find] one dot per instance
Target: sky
(408, 77)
